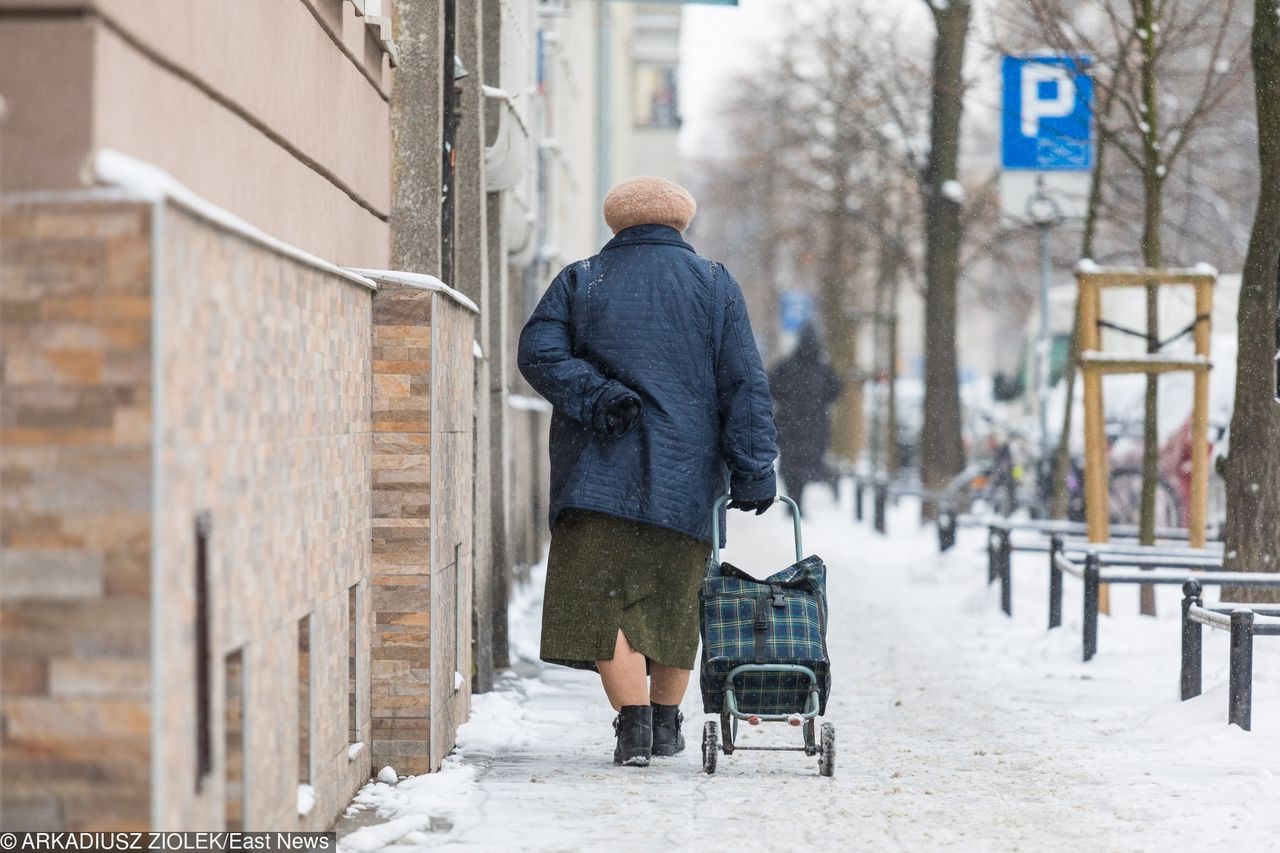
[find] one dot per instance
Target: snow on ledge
(148, 182)
(1087, 266)
(525, 403)
(418, 280)
(1146, 358)
(306, 799)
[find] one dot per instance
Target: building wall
(75, 471)
(424, 390)
(292, 134)
(264, 423)
(402, 453)
(453, 471)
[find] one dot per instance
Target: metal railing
(1001, 546)
(949, 521)
(1244, 622)
(883, 490)
(1098, 569)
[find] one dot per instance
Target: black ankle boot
(667, 740)
(634, 728)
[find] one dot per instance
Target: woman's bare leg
(624, 676)
(667, 685)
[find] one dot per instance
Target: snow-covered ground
(957, 729)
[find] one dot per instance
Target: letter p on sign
(1048, 91)
(1047, 114)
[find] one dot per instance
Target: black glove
(761, 507)
(620, 415)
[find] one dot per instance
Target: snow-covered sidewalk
(957, 728)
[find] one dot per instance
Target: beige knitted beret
(646, 200)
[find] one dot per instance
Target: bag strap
(760, 626)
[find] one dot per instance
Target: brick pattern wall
(453, 485)
(75, 469)
(401, 527)
(423, 413)
(264, 424)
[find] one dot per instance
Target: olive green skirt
(606, 573)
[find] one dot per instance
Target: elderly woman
(661, 404)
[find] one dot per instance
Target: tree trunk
(941, 446)
(841, 331)
(1253, 468)
(1152, 220)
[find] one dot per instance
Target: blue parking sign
(1048, 114)
(797, 310)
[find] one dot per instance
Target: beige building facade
(268, 468)
(237, 518)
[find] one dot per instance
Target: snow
(957, 728)
(355, 749)
(422, 281)
(306, 799)
(387, 776)
(458, 680)
(526, 403)
(953, 191)
(151, 183)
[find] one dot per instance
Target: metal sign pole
(1045, 344)
(1046, 214)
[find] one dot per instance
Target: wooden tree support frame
(1094, 364)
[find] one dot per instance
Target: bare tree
(941, 446)
(1163, 70)
(1253, 467)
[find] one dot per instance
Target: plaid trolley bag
(764, 650)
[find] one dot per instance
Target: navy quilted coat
(650, 318)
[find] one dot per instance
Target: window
(459, 620)
(353, 671)
(304, 700)
(656, 101)
(233, 740)
(204, 734)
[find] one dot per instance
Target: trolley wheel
(729, 725)
(827, 753)
(710, 747)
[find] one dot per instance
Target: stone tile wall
(264, 424)
(401, 581)
(423, 414)
(75, 471)
(453, 484)
(324, 436)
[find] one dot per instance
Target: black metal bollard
(1092, 581)
(1240, 700)
(1192, 631)
(882, 496)
(857, 498)
(1006, 576)
(946, 530)
(998, 550)
(1055, 582)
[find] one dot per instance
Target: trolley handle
(715, 525)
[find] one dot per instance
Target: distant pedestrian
(804, 388)
(661, 404)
